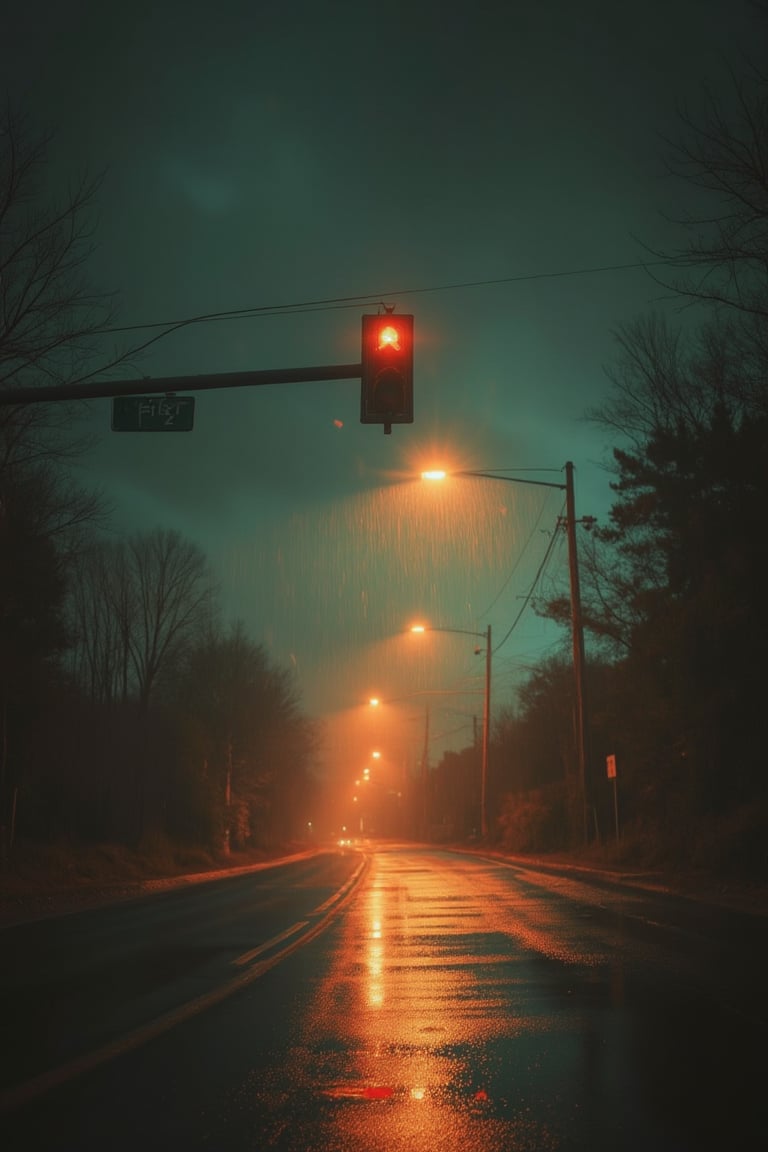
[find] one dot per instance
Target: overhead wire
(531, 591)
(335, 302)
(517, 563)
(527, 598)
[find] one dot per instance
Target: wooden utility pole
(579, 663)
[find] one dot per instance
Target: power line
(335, 302)
(517, 563)
(529, 594)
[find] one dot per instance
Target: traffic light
(386, 395)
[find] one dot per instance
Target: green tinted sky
(260, 154)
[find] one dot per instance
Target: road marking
(254, 952)
(28, 1090)
(338, 895)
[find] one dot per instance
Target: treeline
(674, 585)
(136, 713)
(126, 707)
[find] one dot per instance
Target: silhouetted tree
(169, 597)
(454, 795)
(247, 739)
(722, 152)
(50, 322)
(683, 599)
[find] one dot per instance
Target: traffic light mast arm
(156, 385)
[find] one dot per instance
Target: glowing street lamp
(486, 636)
(577, 628)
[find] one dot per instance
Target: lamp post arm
(515, 479)
(457, 631)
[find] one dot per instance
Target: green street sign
(153, 413)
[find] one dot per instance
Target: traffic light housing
(386, 395)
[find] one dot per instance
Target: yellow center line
(254, 952)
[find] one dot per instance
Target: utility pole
(581, 726)
(228, 800)
(425, 775)
(579, 663)
(486, 738)
(486, 710)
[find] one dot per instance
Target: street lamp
(577, 628)
(486, 636)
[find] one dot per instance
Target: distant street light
(577, 629)
(407, 698)
(486, 636)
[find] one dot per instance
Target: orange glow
(359, 1092)
(389, 338)
(375, 957)
(378, 1092)
(376, 755)
(434, 474)
(418, 628)
(374, 701)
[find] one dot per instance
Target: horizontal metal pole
(457, 631)
(512, 479)
(154, 385)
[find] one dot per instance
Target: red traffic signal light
(386, 395)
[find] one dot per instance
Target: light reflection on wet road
(457, 1004)
(460, 1011)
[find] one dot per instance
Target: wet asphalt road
(443, 1001)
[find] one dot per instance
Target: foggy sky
(263, 154)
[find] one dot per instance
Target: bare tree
(50, 318)
(132, 604)
(724, 155)
(98, 603)
(664, 379)
(172, 595)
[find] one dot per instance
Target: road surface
(403, 998)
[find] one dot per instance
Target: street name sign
(153, 413)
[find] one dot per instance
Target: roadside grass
(728, 853)
(731, 847)
(66, 864)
